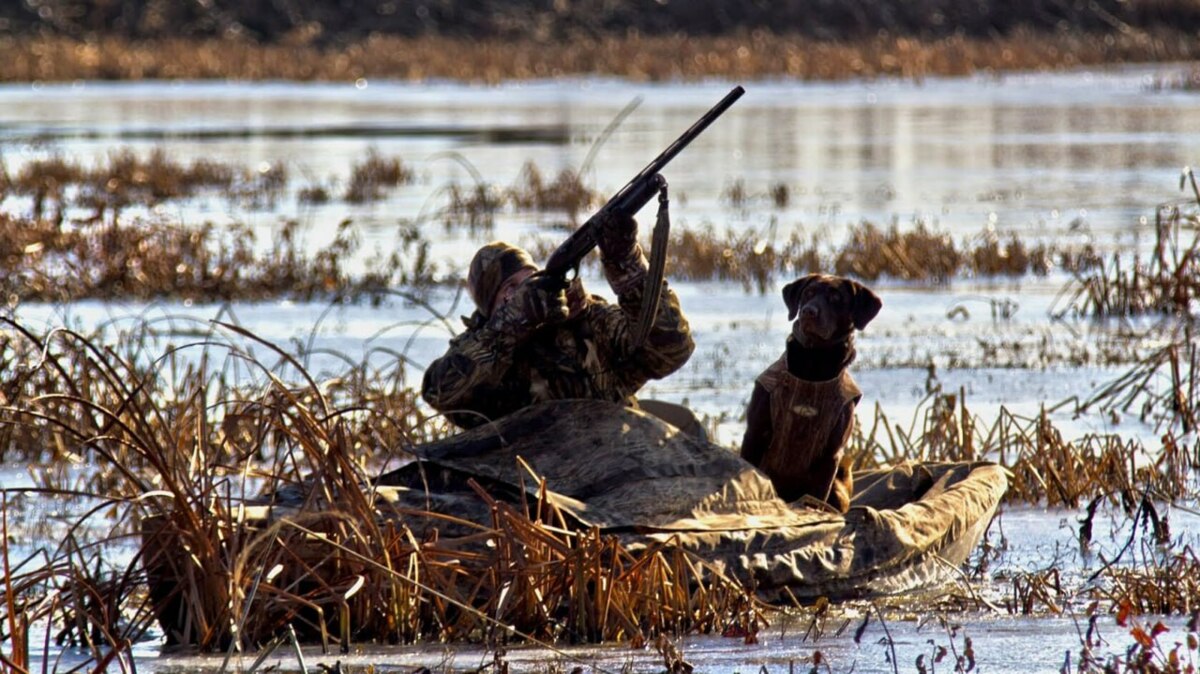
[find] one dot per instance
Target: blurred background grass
(642, 39)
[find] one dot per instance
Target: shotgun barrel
(637, 193)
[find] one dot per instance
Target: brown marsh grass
(474, 207)
(373, 175)
(1162, 388)
(1167, 283)
(1158, 584)
(183, 452)
(758, 260)
(42, 261)
(1043, 466)
(126, 178)
(635, 56)
(755, 259)
(566, 193)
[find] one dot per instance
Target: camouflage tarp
(638, 478)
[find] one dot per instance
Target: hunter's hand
(540, 300)
(618, 236)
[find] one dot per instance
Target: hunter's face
(509, 287)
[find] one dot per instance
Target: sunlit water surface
(1057, 158)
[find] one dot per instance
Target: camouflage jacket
(487, 374)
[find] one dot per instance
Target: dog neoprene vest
(807, 418)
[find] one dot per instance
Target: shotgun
(633, 196)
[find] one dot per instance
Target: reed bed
(97, 196)
(637, 56)
(565, 194)
(370, 179)
(126, 178)
(183, 456)
(758, 260)
(1161, 388)
(1162, 583)
(1167, 283)
(1044, 466)
(42, 261)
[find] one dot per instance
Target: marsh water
(1068, 158)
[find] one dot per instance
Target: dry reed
(756, 259)
(635, 56)
(373, 175)
(183, 451)
(566, 193)
(1160, 584)
(1167, 283)
(1162, 388)
(125, 178)
(43, 261)
(1043, 465)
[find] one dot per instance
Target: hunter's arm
(464, 382)
(669, 343)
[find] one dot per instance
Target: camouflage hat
(490, 267)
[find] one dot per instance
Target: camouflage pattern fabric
(496, 367)
(632, 475)
(490, 267)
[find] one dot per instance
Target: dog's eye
(835, 299)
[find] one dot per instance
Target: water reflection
(1060, 157)
(1027, 153)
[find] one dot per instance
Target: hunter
(530, 340)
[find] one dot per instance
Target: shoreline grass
(753, 55)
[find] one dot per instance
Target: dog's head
(830, 308)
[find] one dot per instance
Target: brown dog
(802, 410)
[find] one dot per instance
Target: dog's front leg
(759, 432)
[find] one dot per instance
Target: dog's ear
(866, 305)
(791, 294)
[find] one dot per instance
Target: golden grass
(43, 261)
(178, 444)
(758, 260)
(639, 57)
(125, 178)
(566, 193)
(376, 173)
(1044, 466)
(176, 448)
(1167, 283)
